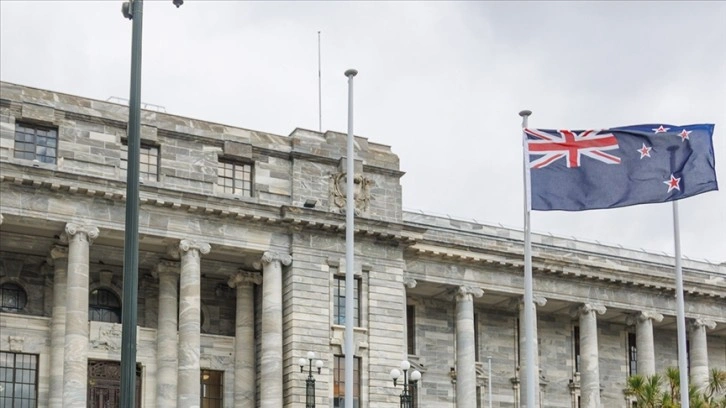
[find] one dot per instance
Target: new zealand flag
(576, 170)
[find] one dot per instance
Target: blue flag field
(576, 170)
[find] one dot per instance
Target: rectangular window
(18, 380)
(339, 382)
(35, 143)
(576, 343)
(235, 177)
(632, 355)
(148, 161)
(339, 301)
(211, 392)
(411, 329)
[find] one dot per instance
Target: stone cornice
(394, 232)
(543, 264)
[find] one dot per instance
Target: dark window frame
(101, 309)
(411, 329)
(20, 376)
(213, 382)
(576, 346)
(339, 381)
(11, 291)
(148, 171)
(227, 172)
(339, 300)
(632, 355)
(35, 142)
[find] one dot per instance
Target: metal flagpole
(680, 311)
(349, 248)
(528, 302)
(320, 92)
(131, 237)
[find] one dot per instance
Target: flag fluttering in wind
(576, 170)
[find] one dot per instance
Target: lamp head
(301, 362)
(311, 355)
(415, 376)
(405, 365)
(394, 375)
(177, 3)
(319, 365)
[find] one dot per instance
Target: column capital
(57, 252)
(409, 282)
(166, 267)
(271, 256)
(244, 278)
(81, 231)
(465, 293)
(518, 302)
(586, 308)
(641, 316)
(186, 245)
(698, 323)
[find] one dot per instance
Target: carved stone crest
(108, 337)
(361, 192)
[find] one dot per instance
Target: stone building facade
(242, 251)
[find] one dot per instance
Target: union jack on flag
(575, 170)
(571, 145)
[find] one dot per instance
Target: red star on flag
(684, 134)
(673, 183)
(644, 151)
(661, 129)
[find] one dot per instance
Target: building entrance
(104, 384)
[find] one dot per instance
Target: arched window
(12, 297)
(104, 306)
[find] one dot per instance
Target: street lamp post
(132, 10)
(408, 383)
(310, 381)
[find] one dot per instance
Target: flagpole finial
(351, 72)
(525, 113)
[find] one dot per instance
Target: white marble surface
(244, 345)
(589, 356)
(59, 259)
(465, 347)
(166, 335)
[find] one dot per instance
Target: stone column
(244, 337)
(59, 259)
(589, 364)
(271, 349)
(75, 361)
(699, 351)
(189, 322)
(166, 336)
(645, 349)
(465, 353)
(538, 301)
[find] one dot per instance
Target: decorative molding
(271, 256)
(16, 343)
(244, 278)
(465, 293)
(57, 252)
(166, 267)
(106, 337)
(361, 193)
(81, 232)
(641, 316)
(186, 245)
(409, 282)
(586, 308)
(697, 323)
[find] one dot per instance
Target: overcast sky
(440, 82)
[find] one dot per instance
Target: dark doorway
(104, 384)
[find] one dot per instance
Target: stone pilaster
(244, 342)
(271, 349)
(408, 283)
(59, 259)
(189, 322)
(537, 301)
(699, 351)
(589, 356)
(166, 336)
(465, 344)
(75, 361)
(643, 322)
